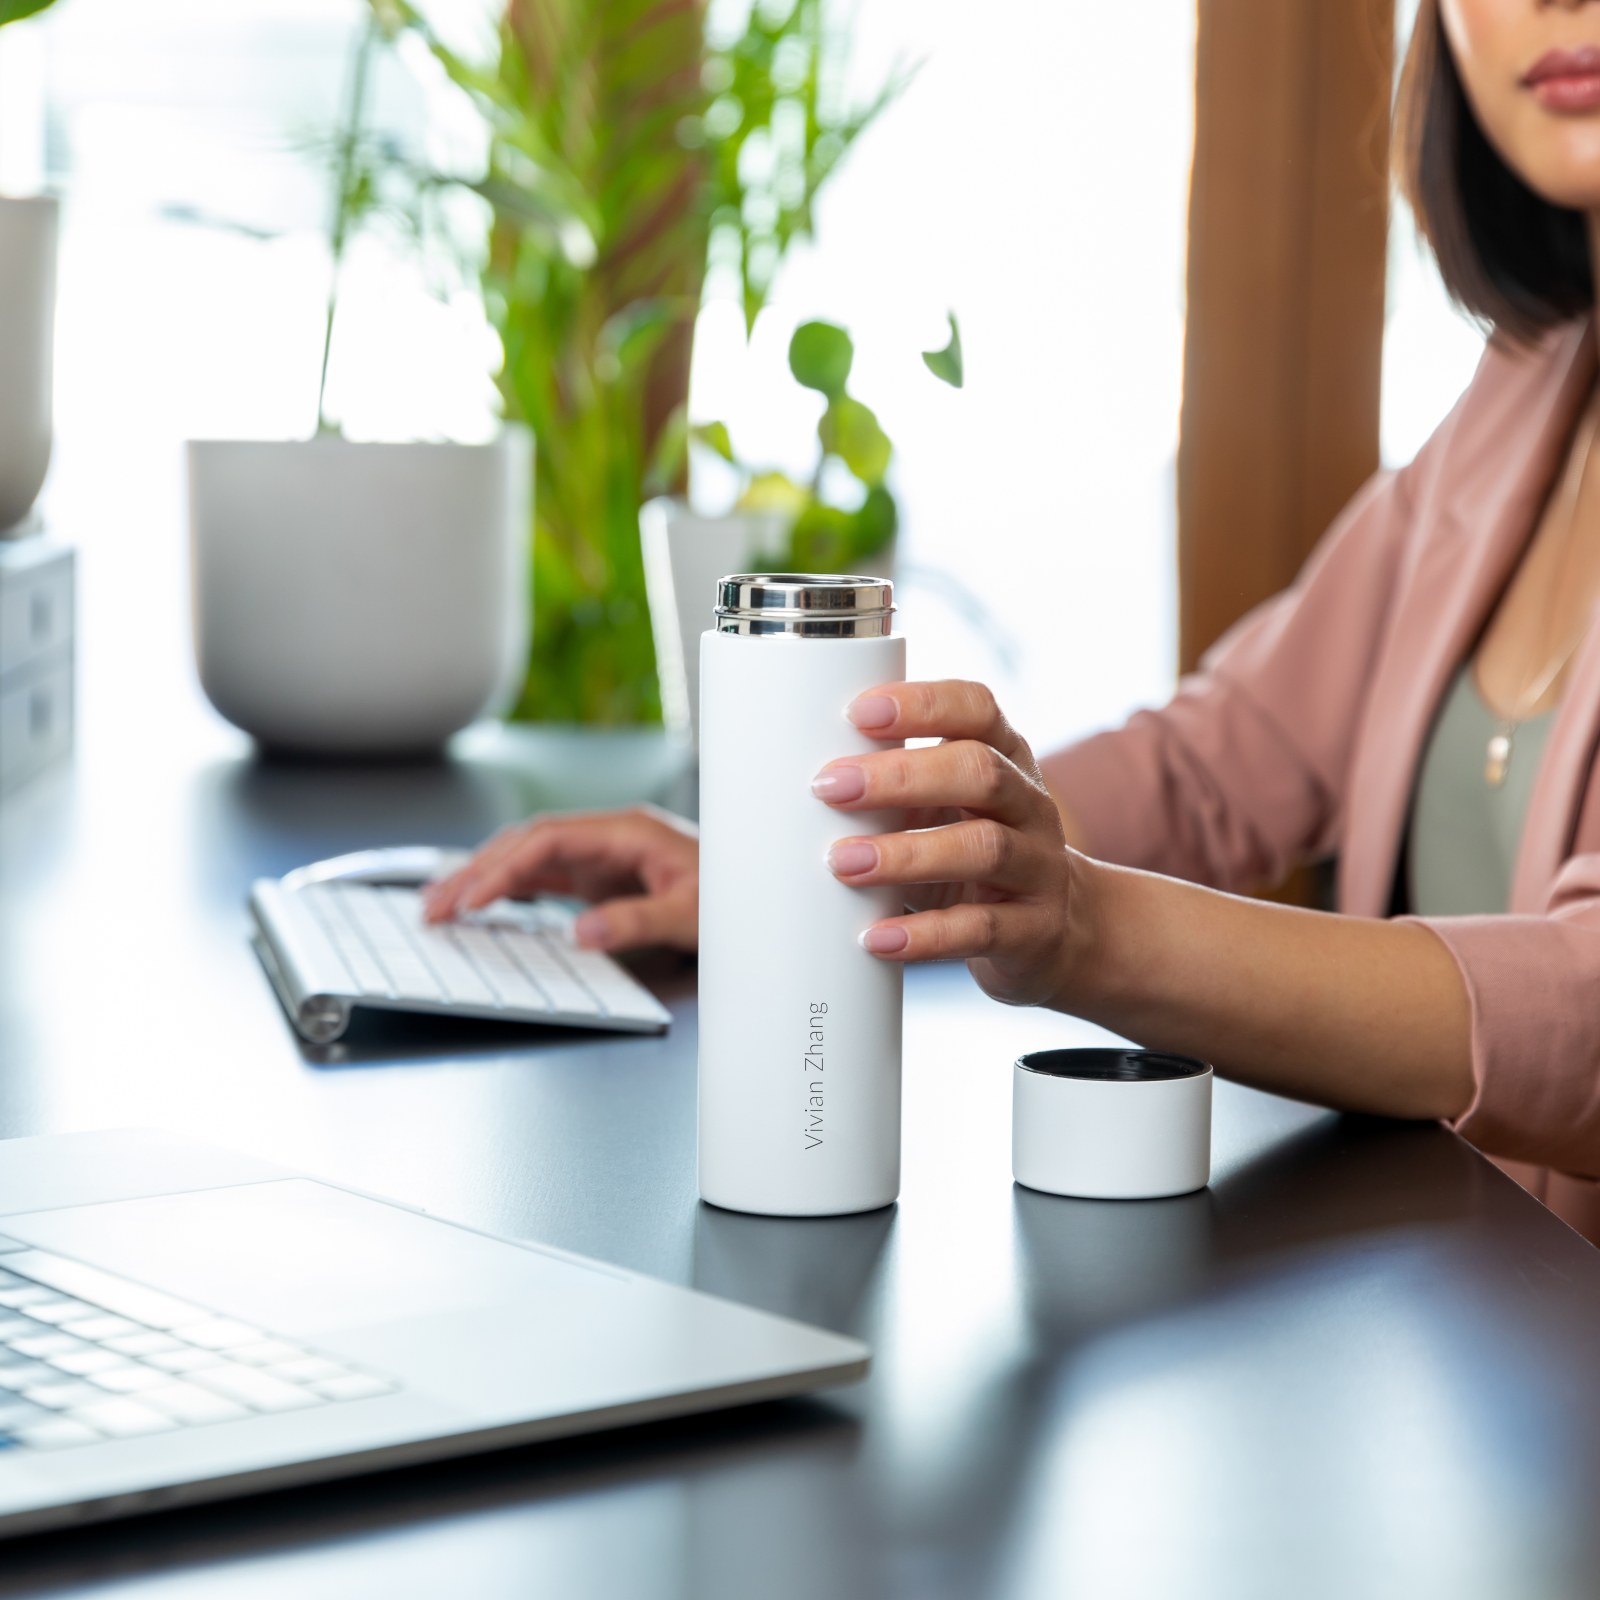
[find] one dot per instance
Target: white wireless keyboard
(329, 947)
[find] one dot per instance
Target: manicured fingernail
(852, 856)
(838, 784)
(871, 711)
(884, 941)
(590, 930)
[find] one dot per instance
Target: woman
(1424, 701)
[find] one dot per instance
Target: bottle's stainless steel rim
(805, 605)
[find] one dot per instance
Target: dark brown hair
(1509, 257)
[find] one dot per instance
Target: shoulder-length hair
(1509, 257)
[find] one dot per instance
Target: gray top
(1465, 832)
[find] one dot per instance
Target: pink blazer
(1301, 733)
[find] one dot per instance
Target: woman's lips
(1566, 80)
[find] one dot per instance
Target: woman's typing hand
(640, 868)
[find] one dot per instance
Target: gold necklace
(1497, 759)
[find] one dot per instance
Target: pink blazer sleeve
(1242, 774)
(1534, 987)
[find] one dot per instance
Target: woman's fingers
(965, 774)
(951, 709)
(979, 851)
(590, 853)
(964, 932)
(671, 919)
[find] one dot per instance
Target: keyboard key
(29, 1295)
(38, 1346)
(408, 974)
(8, 1244)
(11, 1325)
(267, 1353)
(104, 1289)
(56, 1433)
(99, 1326)
(15, 1412)
(325, 904)
(9, 1280)
(353, 1386)
(19, 1374)
(509, 981)
(186, 1359)
(122, 1419)
(80, 1363)
(218, 1333)
(311, 1370)
(189, 1403)
(259, 1390)
(64, 1396)
(140, 1344)
(56, 1312)
(127, 1379)
(539, 960)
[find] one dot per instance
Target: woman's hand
(983, 858)
(640, 867)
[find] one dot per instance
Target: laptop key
(127, 1379)
(38, 1346)
(105, 1289)
(19, 1374)
(98, 1326)
(353, 1386)
(15, 1411)
(56, 1312)
(184, 1360)
(57, 1433)
(7, 1244)
(219, 1333)
(122, 1419)
(189, 1403)
(140, 1344)
(80, 1363)
(65, 1395)
(259, 1390)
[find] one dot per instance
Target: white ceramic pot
(684, 556)
(359, 599)
(27, 334)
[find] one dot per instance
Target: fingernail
(885, 941)
(837, 784)
(590, 930)
(852, 856)
(871, 711)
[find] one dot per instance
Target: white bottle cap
(1109, 1124)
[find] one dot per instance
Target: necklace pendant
(1498, 759)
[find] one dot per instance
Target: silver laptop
(179, 1323)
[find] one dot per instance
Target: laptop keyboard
(86, 1356)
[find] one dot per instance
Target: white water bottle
(799, 1026)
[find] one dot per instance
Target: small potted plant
(28, 227)
(844, 518)
(356, 598)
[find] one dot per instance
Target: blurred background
(1029, 172)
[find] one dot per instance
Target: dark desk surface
(1363, 1363)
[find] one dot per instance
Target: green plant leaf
(774, 491)
(876, 523)
(946, 363)
(715, 436)
(820, 356)
(821, 538)
(850, 430)
(16, 10)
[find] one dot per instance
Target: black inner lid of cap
(1112, 1066)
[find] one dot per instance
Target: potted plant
(694, 142)
(844, 518)
(356, 598)
(28, 228)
